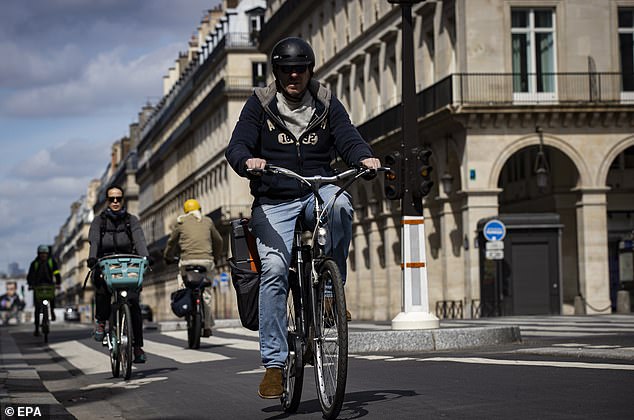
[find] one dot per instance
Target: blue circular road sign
(494, 230)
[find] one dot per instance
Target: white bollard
(415, 314)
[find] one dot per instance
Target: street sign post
(494, 230)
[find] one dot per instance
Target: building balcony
(190, 79)
(495, 90)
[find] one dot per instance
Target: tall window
(533, 41)
(626, 43)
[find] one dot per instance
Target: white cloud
(107, 82)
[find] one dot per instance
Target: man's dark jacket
(261, 133)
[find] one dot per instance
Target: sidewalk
(371, 337)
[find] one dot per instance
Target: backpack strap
(102, 232)
(128, 229)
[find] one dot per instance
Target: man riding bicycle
(297, 123)
(199, 243)
(43, 270)
(115, 231)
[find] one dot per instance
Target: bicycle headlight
(124, 293)
(321, 236)
(45, 302)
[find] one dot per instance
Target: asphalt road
(587, 376)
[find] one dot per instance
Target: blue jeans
(273, 226)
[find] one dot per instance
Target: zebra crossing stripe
(84, 358)
(234, 343)
(181, 354)
(542, 363)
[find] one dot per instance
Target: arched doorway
(620, 221)
(521, 195)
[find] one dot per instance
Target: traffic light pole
(415, 305)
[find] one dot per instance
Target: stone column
(592, 242)
(478, 204)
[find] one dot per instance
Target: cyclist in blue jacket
(299, 124)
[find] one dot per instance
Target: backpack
(128, 230)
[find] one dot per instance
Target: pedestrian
(11, 304)
(299, 124)
(115, 231)
(195, 238)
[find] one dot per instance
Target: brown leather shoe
(271, 385)
(207, 332)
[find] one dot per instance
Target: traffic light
(393, 177)
(421, 180)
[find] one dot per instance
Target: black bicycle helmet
(292, 51)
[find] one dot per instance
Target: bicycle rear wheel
(294, 368)
(194, 325)
(125, 340)
(113, 344)
(331, 340)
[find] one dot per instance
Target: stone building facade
(495, 80)
(182, 144)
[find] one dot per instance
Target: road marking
(373, 357)
(401, 359)
(248, 372)
(543, 363)
(181, 354)
(234, 343)
(84, 358)
(131, 384)
(239, 331)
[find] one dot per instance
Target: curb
(431, 340)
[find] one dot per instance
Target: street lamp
(541, 164)
(446, 180)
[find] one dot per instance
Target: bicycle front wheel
(125, 340)
(331, 339)
(113, 344)
(294, 367)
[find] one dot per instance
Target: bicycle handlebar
(317, 179)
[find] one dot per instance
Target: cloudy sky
(73, 76)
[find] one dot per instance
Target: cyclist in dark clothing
(43, 270)
(115, 231)
(299, 124)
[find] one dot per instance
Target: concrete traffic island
(431, 340)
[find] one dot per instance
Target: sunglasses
(294, 69)
(115, 199)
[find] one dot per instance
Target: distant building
(15, 270)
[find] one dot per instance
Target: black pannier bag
(245, 273)
(247, 285)
(181, 302)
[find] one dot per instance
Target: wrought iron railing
(543, 88)
(509, 89)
